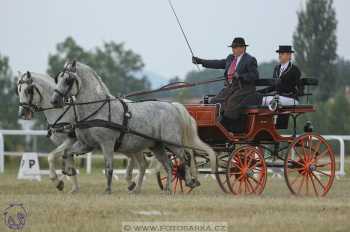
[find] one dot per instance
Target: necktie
(283, 68)
(231, 70)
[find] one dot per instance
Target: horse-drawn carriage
(243, 159)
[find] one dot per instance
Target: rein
(175, 85)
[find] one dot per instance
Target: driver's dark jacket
(242, 90)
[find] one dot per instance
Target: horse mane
(40, 78)
(85, 69)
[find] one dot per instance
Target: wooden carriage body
(260, 125)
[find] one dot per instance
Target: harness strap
(126, 117)
(62, 127)
(54, 126)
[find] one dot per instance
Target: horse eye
(69, 81)
(29, 90)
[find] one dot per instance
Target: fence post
(342, 157)
(2, 154)
(88, 163)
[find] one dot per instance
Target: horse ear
(56, 78)
(29, 75)
(74, 65)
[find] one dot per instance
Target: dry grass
(90, 210)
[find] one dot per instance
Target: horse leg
(187, 161)
(59, 151)
(128, 176)
(141, 161)
(71, 171)
(108, 152)
(162, 156)
(77, 148)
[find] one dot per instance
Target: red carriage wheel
(178, 177)
(309, 166)
(246, 171)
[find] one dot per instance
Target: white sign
(29, 168)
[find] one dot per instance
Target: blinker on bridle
(30, 92)
(69, 81)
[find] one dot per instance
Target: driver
(241, 71)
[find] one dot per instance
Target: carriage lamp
(308, 127)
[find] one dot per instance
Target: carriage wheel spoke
(323, 173)
(319, 181)
(255, 165)
(234, 173)
(295, 161)
(251, 186)
(313, 184)
(322, 154)
(310, 148)
(307, 183)
(237, 165)
(301, 185)
(295, 169)
(317, 149)
(323, 165)
(303, 145)
(253, 178)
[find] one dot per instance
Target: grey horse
(162, 121)
(34, 91)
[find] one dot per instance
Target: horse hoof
(60, 185)
(132, 186)
(74, 191)
(108, 192)
(135, 191)
(193, 183)
(197, 183)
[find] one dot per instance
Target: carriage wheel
(178, 177)
(309, 166)
(221, 178)
(246, 171)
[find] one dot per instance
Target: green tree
(315, 43)
(343, 71)
(119, 67)
(9, 102)
(266, 69)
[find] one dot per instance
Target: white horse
(34, 91)
(164, 126)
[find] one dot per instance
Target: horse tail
(190, 134)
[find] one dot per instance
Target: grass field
(90, 210)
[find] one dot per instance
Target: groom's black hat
(285, 49)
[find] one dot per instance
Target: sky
(30, 29)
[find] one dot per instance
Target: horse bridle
(30, 92)
(71, 81)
